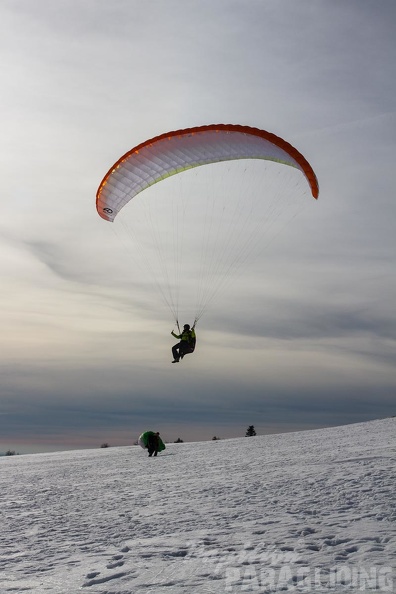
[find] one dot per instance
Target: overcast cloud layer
(306, 336)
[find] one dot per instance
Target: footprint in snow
(94, 581)
(92, 575)
(116, 562)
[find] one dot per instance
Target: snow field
(312, 511)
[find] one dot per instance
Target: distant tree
(214, 438)
(105, 445)
(178, 440)
(10, 453)
(250, 431)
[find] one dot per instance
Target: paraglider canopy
(225, 191)
(174, 152)
(144, 438)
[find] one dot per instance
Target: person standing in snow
(153, 443)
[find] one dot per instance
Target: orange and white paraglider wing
(174, 152)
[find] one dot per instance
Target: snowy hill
(304, 512)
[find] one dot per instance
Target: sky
(306, 337)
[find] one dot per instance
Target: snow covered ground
(311, 511)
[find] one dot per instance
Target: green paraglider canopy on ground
(144, 438)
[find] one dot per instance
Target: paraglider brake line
(195, 323)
